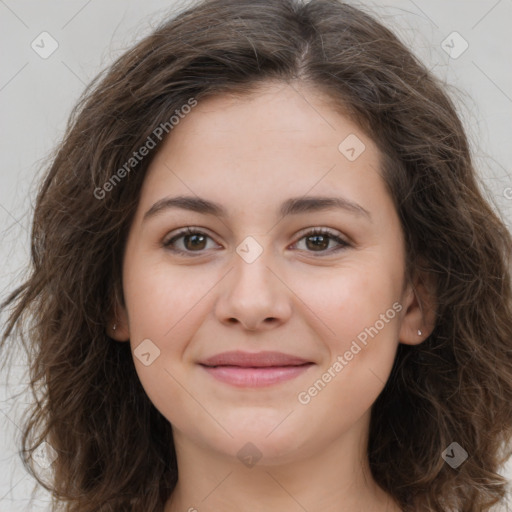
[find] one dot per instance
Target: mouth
(245, 369)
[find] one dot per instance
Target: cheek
(165, 305)
(353, 300)
(362, 308)
(161, 300)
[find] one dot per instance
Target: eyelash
(343, 244)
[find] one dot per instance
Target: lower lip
(255, 377)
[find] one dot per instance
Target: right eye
(190, 239)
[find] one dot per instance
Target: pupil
(324, 242)
(194, 243)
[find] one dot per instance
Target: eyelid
(322, 230)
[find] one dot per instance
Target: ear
(420, 306)
(118, 326)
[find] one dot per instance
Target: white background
(36, 96)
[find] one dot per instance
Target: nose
(253, 296)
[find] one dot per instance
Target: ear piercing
(114, 327)
(419, 332)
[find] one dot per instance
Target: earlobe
(419, 319)
(117, 327)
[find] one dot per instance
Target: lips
(254, 360)
(254, 370)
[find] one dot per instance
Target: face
(287, 242)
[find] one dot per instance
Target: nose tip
(253, 297)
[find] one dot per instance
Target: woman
(264, 278)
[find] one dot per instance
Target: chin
(276, 442)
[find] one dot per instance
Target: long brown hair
(115, 450)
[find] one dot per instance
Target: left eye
(317, 240)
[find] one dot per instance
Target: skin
(250, 154)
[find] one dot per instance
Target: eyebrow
(292, 206)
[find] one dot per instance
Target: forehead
(277, 142)
(275, 113)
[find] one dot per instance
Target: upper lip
(254, 359)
